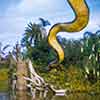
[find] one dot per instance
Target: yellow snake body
(81, 11)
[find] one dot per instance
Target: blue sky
(16, 14)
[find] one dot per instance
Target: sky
(16, 14)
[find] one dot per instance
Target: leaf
(5, 47)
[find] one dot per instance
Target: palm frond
(5, 47)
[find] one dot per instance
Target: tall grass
(4, 77)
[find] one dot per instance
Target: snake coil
(81, 11)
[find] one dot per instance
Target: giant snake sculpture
(81, 11)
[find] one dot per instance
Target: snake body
(81, 11)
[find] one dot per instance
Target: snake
(81, 12)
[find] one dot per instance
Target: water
(4, 96)
(72, 96)
(23, 95)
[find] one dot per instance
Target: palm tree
(32, 35)
(44, 22)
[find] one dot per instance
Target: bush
(4, 74)
(4, 79)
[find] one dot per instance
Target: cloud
(35, 7)
(17, 16)
(93, 26)
(5, 4)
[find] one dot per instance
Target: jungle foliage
(80, 69)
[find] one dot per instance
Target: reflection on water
(83, 96)
(75, 96)
(23, 95)
(4, 96)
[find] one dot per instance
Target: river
(72, 96)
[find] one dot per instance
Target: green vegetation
(72, 78)
(80, 70)
(4, 79)
(35, 45)
(4, 86)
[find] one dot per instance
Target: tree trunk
(22, 70)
